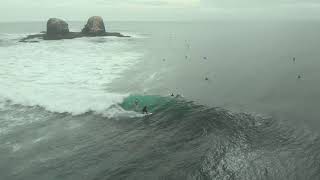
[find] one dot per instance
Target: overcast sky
(137, 10)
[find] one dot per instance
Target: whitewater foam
(65, 76)
(117, 112)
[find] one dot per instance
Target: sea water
(67, 107)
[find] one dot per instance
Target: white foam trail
(117, 112)
(136, 36)
(67, 75)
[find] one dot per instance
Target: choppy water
(67, 107)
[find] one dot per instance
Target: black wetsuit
(144, 110)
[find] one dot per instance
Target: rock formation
(58, 29)
(94, 27)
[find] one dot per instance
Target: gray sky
(23, 10)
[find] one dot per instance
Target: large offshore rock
(56, 28)
(94, 27)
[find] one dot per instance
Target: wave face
(180, 140)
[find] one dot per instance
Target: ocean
(241, 109)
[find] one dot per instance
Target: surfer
(172, 94)
(206, 78)
(144, 110)
(299, 76)
(294, 59)
(136, 104)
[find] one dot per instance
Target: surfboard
(147, 114)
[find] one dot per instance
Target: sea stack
(56, 29)
(94, 27)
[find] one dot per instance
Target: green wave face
(137, 102)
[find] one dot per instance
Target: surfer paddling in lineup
(299, 76)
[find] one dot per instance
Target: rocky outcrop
(94, 27)
(56, 29)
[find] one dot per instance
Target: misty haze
(159, 89)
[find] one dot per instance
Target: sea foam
(65, 76)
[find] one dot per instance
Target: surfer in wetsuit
(136, 104)
(144, 110)
(299, 76)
